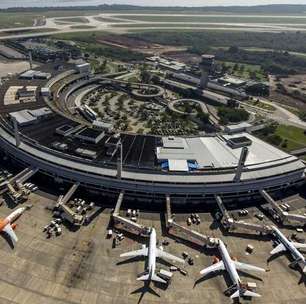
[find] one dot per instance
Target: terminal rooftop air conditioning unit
(239, 142)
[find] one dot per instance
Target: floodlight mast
(119, 160)
(16, 132)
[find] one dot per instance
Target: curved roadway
(172, 103)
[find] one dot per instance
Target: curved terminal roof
(216, 160)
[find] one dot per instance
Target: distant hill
(259, 9)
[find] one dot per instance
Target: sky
(14, 3)
(210, 2)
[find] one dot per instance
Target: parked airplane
(7, 225)
(231, 267)
(292, 247)
(152, 252)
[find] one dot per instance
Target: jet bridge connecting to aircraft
(123, 223)
(229, 223)
(15, 187)
(284, 216)
(185, 233)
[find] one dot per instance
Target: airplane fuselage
(11, 218)
(288, 245)
(152, 253)
(229, 265)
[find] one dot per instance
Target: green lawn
(8, 20)
(27, 31)
(175, 25)
(74, 20)
(89, 36)
(82, 27)
(110, 20)
(217, 19)
(295, 137)
(246, 72)
(261, 105)
(255, 49)
(18, 19)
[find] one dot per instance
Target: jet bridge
(231, 224)
(27, 175)
(68, 213)
(123, 223)
(23, 176)
(15, 187)
(284, 216)
(183, 232)
(63, 200)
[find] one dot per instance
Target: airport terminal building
(145, 167)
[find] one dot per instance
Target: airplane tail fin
(154, 278)
(11, 233)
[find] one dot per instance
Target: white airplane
(231, 267)
(152, 252)
(7, 225)
(292, 247)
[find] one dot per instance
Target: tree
(242, 68)
(285, 143)
(229, 115)
(204, 117)
(145, 75)
(302, 115)
(233, 49)
(102, 67)
(274, 139)
(269, 129)
(253, 75)
(224, 68)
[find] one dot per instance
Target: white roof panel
(40, 112)
(214, 151)
(178, 165)
(238, 126)
(23, 117)
(174, 142)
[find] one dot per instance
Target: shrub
(274, 139)
(232, 115)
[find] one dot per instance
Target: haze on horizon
(25, 3)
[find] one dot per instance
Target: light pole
(16, 131)
(119, 160)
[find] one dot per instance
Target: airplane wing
(244, 266)
(162, 254)
(299, 245)
(140, 252)
(213, 268)
(279, 248)
(9, 230)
